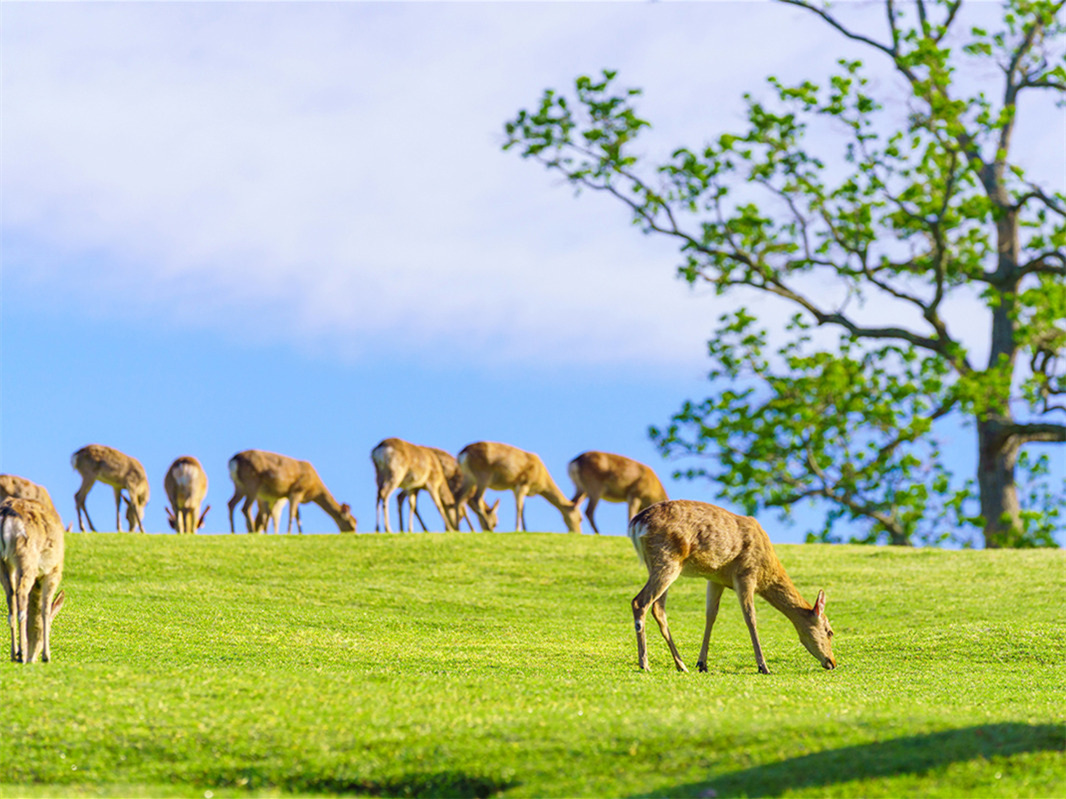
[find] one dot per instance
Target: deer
(31, 559)
(730, 551)
(454, 477)
(613, 478)
(186, 487)
(118, 470)
(411, 468)
(488, 464)
(11, 485)
(267, 476)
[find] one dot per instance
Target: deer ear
(819, 604)
(495, 505)
(202, 517)
(57, 602)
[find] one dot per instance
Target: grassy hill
(481, 664)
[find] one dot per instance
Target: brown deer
(613, 478)
(487, 464)
(257, 474)
(186, 487)
(12, 485)
(730, 551)
(31, 555)
(454, 477)
(411, 468)
(121, 472)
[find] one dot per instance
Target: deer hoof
(701, 667)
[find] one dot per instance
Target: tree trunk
(997, 455)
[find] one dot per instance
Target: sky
(290, 226)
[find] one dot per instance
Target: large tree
(869, 240)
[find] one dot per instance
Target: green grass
(480, 664)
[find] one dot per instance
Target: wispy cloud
(331, 173)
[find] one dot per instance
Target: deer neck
(782, 594)
(556, 497)
(326, 501)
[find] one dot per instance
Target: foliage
(491, 664)
(920, 212)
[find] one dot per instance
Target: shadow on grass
(444, 784)
(914, 754)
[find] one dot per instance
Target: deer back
(705, 540)
(615, 478)
(502, 467)
(12, 485)
(266, 474)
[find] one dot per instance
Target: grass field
(505, 664)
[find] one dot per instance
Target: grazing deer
(12, 485)
(186, 487)
(121, 472)
(412, 468)
(31, 555)
(486, 464)
(257, 474)
(454, 475)
(613, 478)
(693, 538)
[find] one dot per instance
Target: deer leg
(118, 508)
(47, 586)
(79, 501)
(421, 521)
(246, 509)
(659, 581)
(7, 578)
(477, 503)
(435, 496)
(294, 511)
(745, 588)
(590, 509)
(231, 505)
(23, 586)
(465, 515)
(383, 496)
(658, 611)
(401, 500)
(520, 507)
(714, 597)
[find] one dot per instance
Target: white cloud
(331, 173)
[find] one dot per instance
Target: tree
(870, 246)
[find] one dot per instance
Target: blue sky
(290, 226)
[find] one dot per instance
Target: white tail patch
(184, 476)
(637, 531)
(11, 528)
(380, 455)
(233, 470)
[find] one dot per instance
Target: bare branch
(890, 51)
